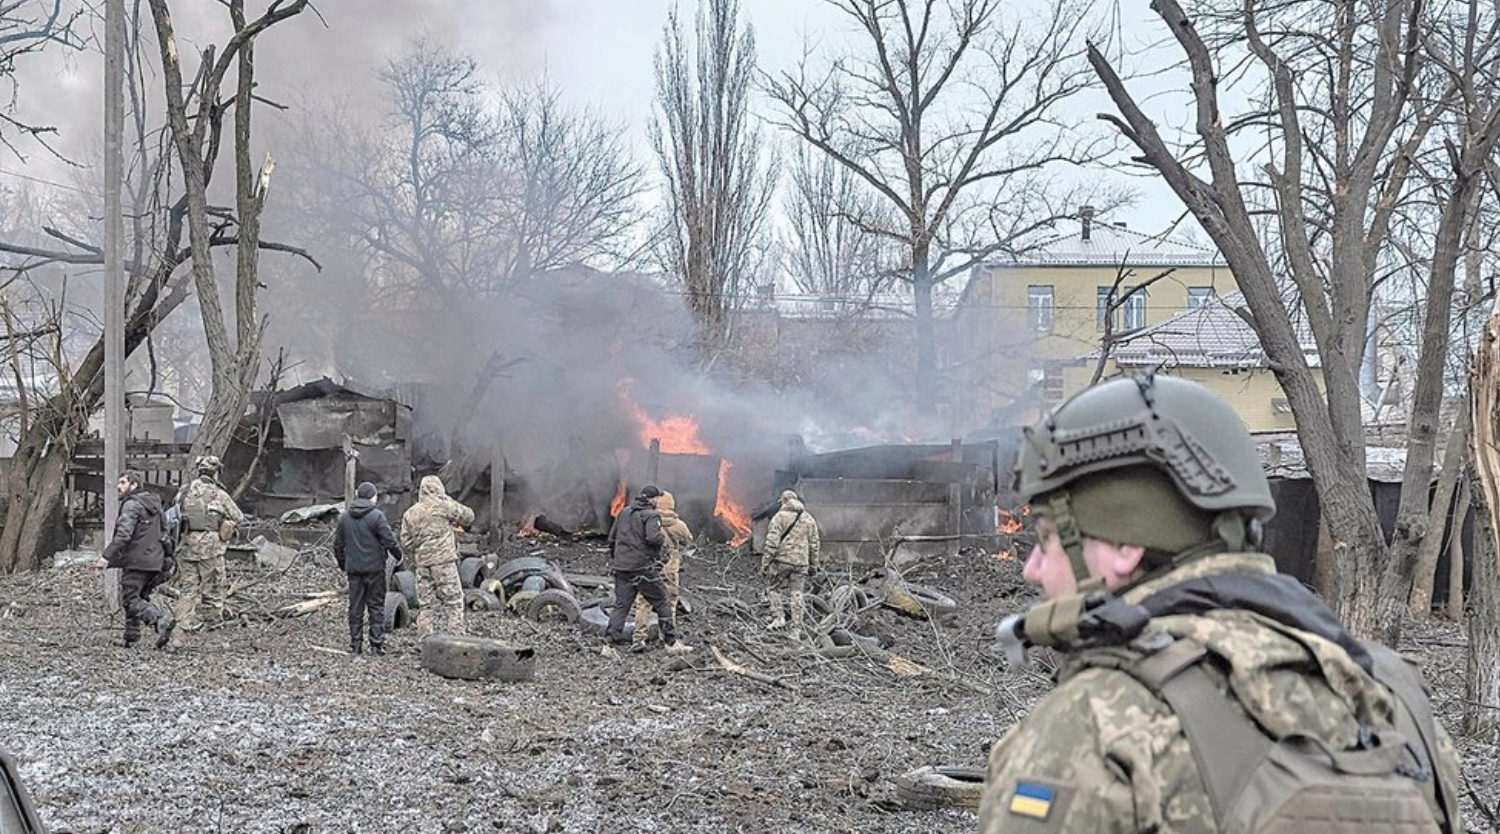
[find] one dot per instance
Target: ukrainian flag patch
(1032, 800)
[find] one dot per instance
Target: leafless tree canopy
(949, 112)
(456, 200)
(828, 248)
(714, 162)
(1371, 129)
(25, 27)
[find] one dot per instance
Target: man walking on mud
(138, 550)
(209, 516)
(427, 533)
(636, 548)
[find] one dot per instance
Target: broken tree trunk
(1482, 656)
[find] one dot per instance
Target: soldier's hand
(100, 563)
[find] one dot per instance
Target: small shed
(299, 434)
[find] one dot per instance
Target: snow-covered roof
(1212, 336)
(1112, 245)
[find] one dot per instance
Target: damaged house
(293, 446)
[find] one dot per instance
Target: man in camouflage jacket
(789, 555)
(427, 534)
(1148, 496)
(208, 513)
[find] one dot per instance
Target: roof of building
(1112, 245)
(1212, 336)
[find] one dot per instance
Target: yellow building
(1028, 329)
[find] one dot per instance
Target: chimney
(1086, 215)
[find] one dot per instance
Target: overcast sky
(598, 51)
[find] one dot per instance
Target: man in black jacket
(636, 557)
(137, 550)
(360, 543)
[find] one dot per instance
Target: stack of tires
(400, 596)
(530, 586)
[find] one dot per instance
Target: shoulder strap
(788, 531)
(1227, 744)
(1396, 674)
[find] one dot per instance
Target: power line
(41, 181)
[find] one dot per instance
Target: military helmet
(1169, 437)
(1170, 424)
(208, 464)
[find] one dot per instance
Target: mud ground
(266, 725)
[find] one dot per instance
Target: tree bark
(1456, 552)
(1482, 656)
(1432, 544)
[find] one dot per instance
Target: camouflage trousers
(789, 584)
(671, 574)
(440, 597)
(200, 585)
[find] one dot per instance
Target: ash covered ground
(267, 726)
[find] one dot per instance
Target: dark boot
(356, 648)
(165, 623)
(377, 648)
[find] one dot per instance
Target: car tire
(938, 786)
(397, 614)
(406, 582)
(471, 572)
(477, 600)
(553, 603)
(477, 658)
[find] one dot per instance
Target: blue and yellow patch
(1032, 800)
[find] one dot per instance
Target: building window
(1134, 308)
(1101, 306)
(1047, 381)
(1039, 304)
(1052, 383)
(1199, 296)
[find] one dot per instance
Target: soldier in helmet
(209, 517)
(1199, 690)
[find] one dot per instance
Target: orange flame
(678, 435)
(528, 527)
(1010, 524)
(1006, 555)
(619, 503)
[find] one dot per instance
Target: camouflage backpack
(1257, 784)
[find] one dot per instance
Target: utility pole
(114, 272)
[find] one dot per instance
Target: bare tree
(27, 26)
(56, 419)
(235, 362)
(574, 195)
(828, 247)
(1344, 98)
(453, 201)
(952, 115)
(714, 162)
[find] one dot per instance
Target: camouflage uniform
(1114, 756)
(789, 555)
(427, 534)
(1199, 691)
(677, 537)
(200, 554)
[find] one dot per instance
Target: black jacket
(362, 539)
(635, 542)
(136, 544)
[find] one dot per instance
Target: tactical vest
(195, 511)
(1298, 784)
